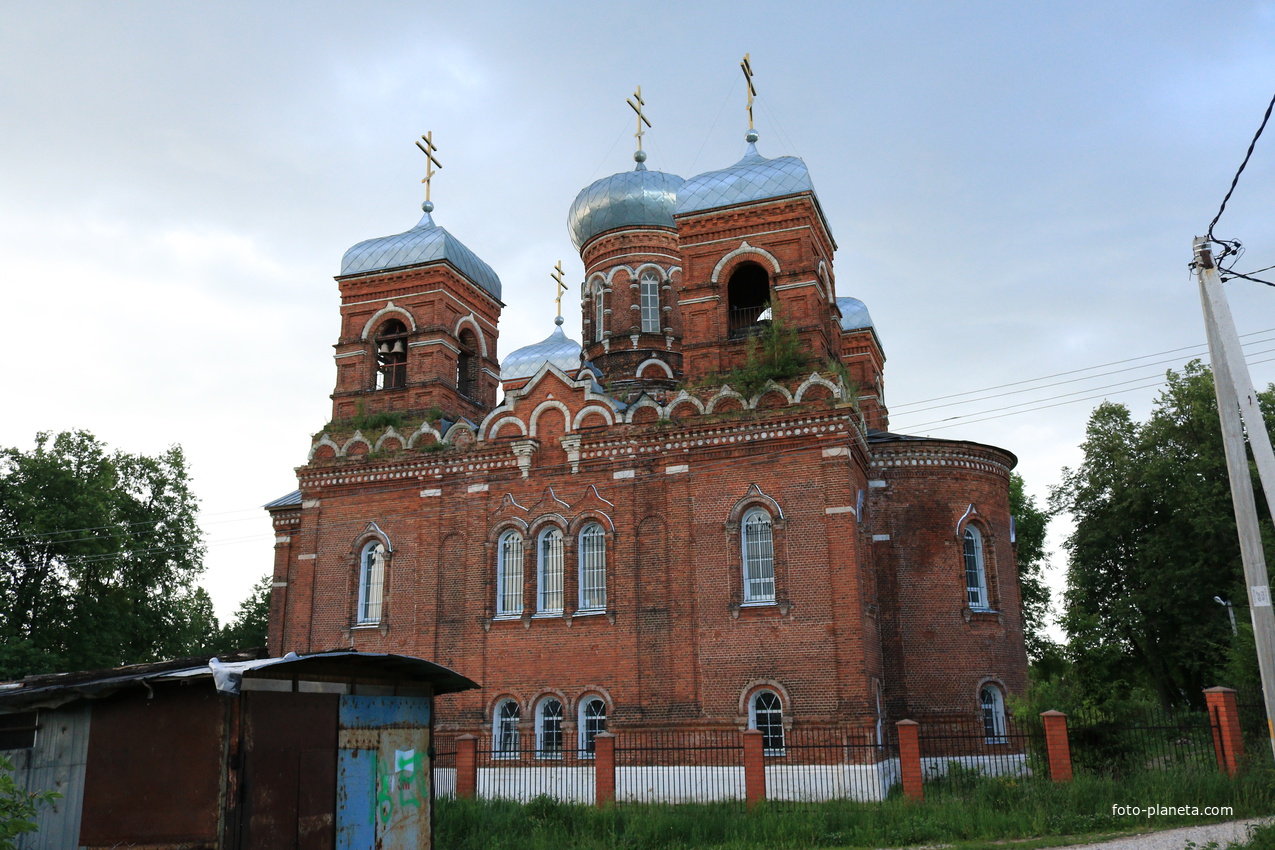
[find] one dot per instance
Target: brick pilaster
(1228, 745)
(1058, 745)
(604, 768)
(466, 766)
(754, 766)
(910, 759)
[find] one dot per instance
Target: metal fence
(444, 767)
(832, 764)
(959, 750)
(679, 767)
(1141, 738)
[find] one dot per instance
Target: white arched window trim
(549, 714)
(757, 546)
(649, 296)
(509, 575)
(371, 583)
(592, 559)
(766, 714)
(591, 719)
(599, 313)
(975, 571)
(992, 703)
(505, 734)
(549, 571)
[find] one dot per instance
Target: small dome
(753, 178)
(854, 314)
(424, 243)
(556, 349)
(628, 199)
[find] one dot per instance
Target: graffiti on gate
(400, 784)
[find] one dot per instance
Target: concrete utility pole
(1237, 407)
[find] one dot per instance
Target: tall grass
(989, 810)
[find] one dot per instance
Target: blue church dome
(628, 199)
(424, 243)
(753, 178)
(854, 314)
(555, 349)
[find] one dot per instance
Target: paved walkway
(1236, 831)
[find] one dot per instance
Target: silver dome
(753, 178)
(424, 243)
(854, 314)
(628, 199)
(556, 349)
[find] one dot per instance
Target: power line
(1236, 179)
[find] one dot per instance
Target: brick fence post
(603, 768)
(466, 766)
(754, 766)
(1057, 745)
(1228, 745)
(910, 759)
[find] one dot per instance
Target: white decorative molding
(880, 538)
(653, 361)
(623, 473)
(472, 321)
(390, 307)
(837, 451)
(677, 468)
(844, 509)
(477, 488)
(744, 248)
(432, 492)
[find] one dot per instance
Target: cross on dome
(641, 119)
(430, 161)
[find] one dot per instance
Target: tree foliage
(1154, 542)
(99, 553)
(18, 807)
(252, 618)
(1031, 523)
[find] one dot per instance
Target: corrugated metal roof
(424, 243)
(854, 314)
(634, 198)
(555, 348)
(293, 498)
(753, 178)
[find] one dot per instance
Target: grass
(1031, 813)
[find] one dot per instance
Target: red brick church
(608, 533)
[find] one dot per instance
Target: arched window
(549, 571)
(549, 728)
(509, 574)
(748, 295)
(993, 705)
(467, 364)
(649, 291)
(593, 568)
(504, 730)
(599, 313)
(593, 719)
(759, 556)
(766, 715)
(975, 575)
(371, 582)
(391, 355)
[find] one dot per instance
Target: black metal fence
(1140, 738)
(832, 764)
(444, 767)
(679, 767)
(958, 750)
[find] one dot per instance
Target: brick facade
(868, 616)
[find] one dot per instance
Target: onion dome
(634, 198)
(854, 314)
(424, 243)
(556, 349)
(753, 178)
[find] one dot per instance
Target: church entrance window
(748, 296)
(391, 355)
(766, 715)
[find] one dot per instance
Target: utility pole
(1237, 407)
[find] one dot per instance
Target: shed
(326, 750)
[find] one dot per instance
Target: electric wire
(1236, 179)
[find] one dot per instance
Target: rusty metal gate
(384, 791)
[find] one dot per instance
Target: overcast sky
(1013, 188)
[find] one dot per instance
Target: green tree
(99, 553)
(1154, 542)
(248, 628)
(1031, 523)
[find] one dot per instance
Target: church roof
(753, 178)
(854, 314)
(556, 349)
(628, 199)
(424, 243)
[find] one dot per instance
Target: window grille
(505, 730)
(593, 719)
(975, 576)
(768, 718)
(550, 572)
(759, 557)
(993, 714)
(371, 582)
(549, 729)
(593, 568)
(650, 292)
(509, 574)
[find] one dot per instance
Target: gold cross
(752, 92)
(562, 287)
(641, 119)
(430, 160)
